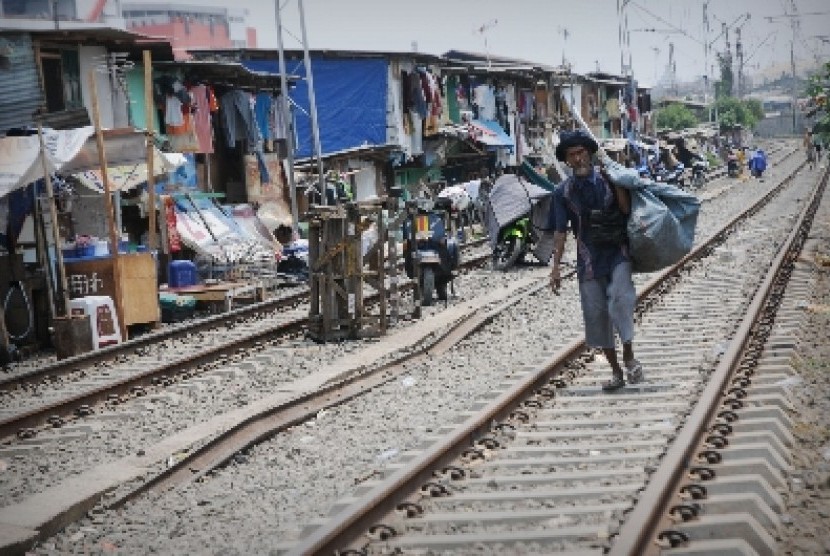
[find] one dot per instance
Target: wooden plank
(139, 284)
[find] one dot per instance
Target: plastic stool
(103, 319)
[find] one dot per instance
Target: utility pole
(739, 56)
(312, 102)
(706, 52)
(672, 70)
(792, 70)
(289, 127)
(794, 22)
(656, 62)
(565, 35)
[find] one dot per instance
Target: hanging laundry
(485, 99)
(263, 104)
(416, 92)
(173, 111)
(238, 119)
(201, 117)
(612, 106)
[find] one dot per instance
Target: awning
(67, 151)
(128, 176)
(490, 133)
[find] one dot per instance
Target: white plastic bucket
(102, 248)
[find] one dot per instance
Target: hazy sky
(536, 30)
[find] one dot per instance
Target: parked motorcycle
(674, 176)
(733, 167)
(429, 250)
(513, 243)
(512, 208)
(699, 168)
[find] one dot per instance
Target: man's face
(579, 160)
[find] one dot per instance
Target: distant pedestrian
(757, 163)
(810, 147)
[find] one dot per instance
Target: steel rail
(640, 527)
(357, 518)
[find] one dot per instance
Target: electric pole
(739, 56)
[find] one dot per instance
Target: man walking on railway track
(810, 148)
(597, 211)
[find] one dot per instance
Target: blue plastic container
(181, 274)
(82, 251)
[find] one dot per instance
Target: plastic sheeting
(491, 134)
(661, 226)
(512, 198)
(351, 102)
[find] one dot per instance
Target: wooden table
(222, 292)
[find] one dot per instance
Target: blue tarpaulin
(351, 102)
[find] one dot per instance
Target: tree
(733, 111)
(676, 116)
(723, 88)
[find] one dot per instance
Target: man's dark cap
(576, 138)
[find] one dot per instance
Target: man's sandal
(634, 371)
(616, 382)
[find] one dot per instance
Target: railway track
(337, 397)
(552, 464)
(127, 372)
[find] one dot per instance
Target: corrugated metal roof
(20, 83)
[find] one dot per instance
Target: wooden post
(60, 272)
(150, 127)
(113, 233)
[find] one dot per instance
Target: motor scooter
(673, 176)
(513, 244)
(733, 168)
(430, 252)
(699, 167)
